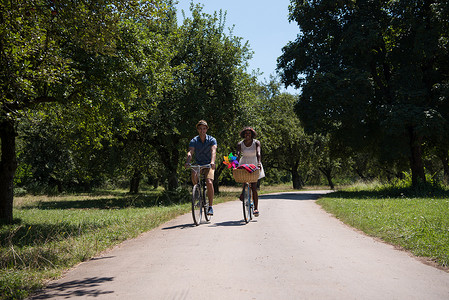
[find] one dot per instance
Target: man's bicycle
(199, 201)
(242, 176)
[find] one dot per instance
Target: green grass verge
(52, 234)
(416, 220)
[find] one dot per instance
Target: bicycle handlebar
(208, 166)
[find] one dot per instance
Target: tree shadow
(297, 196)
(423, 191)
(76, 288)
(38, 234)
(119, 202)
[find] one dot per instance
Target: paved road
(294, 250)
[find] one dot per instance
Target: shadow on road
(181, 226)
(75, 288)
(102, 257)
(298, 196)
(229, 223)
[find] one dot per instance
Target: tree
(206, 67)
(324, 158)
(373, 73)
(286, 146)
(38, 42)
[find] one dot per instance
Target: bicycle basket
(241, 175)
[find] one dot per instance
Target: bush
(19, 191)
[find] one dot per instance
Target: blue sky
(263, 23)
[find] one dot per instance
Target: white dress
(248, 156)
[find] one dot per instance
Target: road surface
(294, 250)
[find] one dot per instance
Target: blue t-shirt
(203, 152)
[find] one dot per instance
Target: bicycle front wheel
(247, 203)
(197, 205)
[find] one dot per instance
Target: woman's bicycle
(242, 176)
(199, 202)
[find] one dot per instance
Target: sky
(263, 23)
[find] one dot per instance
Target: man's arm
(189, 156)
(213, 156)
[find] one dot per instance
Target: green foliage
(37, 38)
(58, 151)
(373, 75)
(206, 66)
(56, 51)
(285, 145)
(131, 90)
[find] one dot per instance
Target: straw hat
(253, 132)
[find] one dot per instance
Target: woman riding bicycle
(248, 152)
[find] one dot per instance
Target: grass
(414, 219)
(52, 234)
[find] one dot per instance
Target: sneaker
(210, 212)
(256, 213)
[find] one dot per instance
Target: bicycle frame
(199, 203)
(248, 205)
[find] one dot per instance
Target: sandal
(256, 213)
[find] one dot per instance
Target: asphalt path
(294, 250)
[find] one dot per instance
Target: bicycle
(199, 203)
(242, 176)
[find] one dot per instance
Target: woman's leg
(255, 196)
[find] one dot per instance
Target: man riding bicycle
(204, 147)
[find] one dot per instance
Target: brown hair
(202, 122)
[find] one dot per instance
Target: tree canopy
(46, 48)
(374, 74)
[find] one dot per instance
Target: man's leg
(194, 177)
(210, 191)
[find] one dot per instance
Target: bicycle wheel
(205, 204)
(247, 203)
(197, 206)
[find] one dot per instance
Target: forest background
(108, 94)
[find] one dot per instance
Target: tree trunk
(445, 162)
(135, 181)
(328, 174)
(218, 170)
(8, 166)
(173, 177)
(296, 178)
(167, 148)
(416, 162)
(360, 174)
(330, 182)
